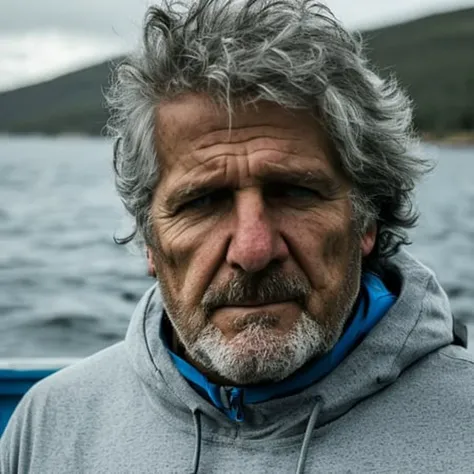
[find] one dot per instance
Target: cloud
(120, 18)
(28, 58)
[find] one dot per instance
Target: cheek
(176, 242)
(180, 236)
(190, 255)
(322, 245)
(336, 247)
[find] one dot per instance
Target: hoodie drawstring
(197, 447)
(307, 436)
(304, 446)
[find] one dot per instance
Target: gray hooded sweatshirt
(402, 401)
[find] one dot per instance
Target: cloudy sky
(40, 39)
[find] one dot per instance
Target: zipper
(233, 401)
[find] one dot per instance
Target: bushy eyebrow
(313, 179)
(316, 179)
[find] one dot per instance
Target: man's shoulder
(432, 395)
(450, 367)
(89, 378)
(451, 360)
(59, 407)
(457, 356)
(457, 365)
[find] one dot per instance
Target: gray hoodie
(402, 401)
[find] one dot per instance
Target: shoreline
(456, 139)
(460, 139)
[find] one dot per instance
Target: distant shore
(455, 139)
(452, 139)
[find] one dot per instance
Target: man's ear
(149, 261)
(367, 242)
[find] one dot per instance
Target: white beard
(260, 353)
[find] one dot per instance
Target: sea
(67, 290)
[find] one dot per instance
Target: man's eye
(202, 201)
(207, 201)
(288, 191)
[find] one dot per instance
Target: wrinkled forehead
(193, 122)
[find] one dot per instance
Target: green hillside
(70, 103)
(434, 60)
(433, 57)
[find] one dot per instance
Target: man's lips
(275, 315)
(255, 304)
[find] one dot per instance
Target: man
(270, 175)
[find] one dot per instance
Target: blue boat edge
(18, 375)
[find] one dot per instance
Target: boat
(18, 375)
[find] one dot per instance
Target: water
(67, 290)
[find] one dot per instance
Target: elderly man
(270, 175)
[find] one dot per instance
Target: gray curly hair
(293, 53)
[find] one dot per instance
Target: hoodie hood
(418, 323)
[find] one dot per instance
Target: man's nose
(256, 241)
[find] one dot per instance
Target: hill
(70, 103)
(434, 60)
(433, 57)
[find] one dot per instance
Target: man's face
(255, 250)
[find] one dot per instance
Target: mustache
(259, 288)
